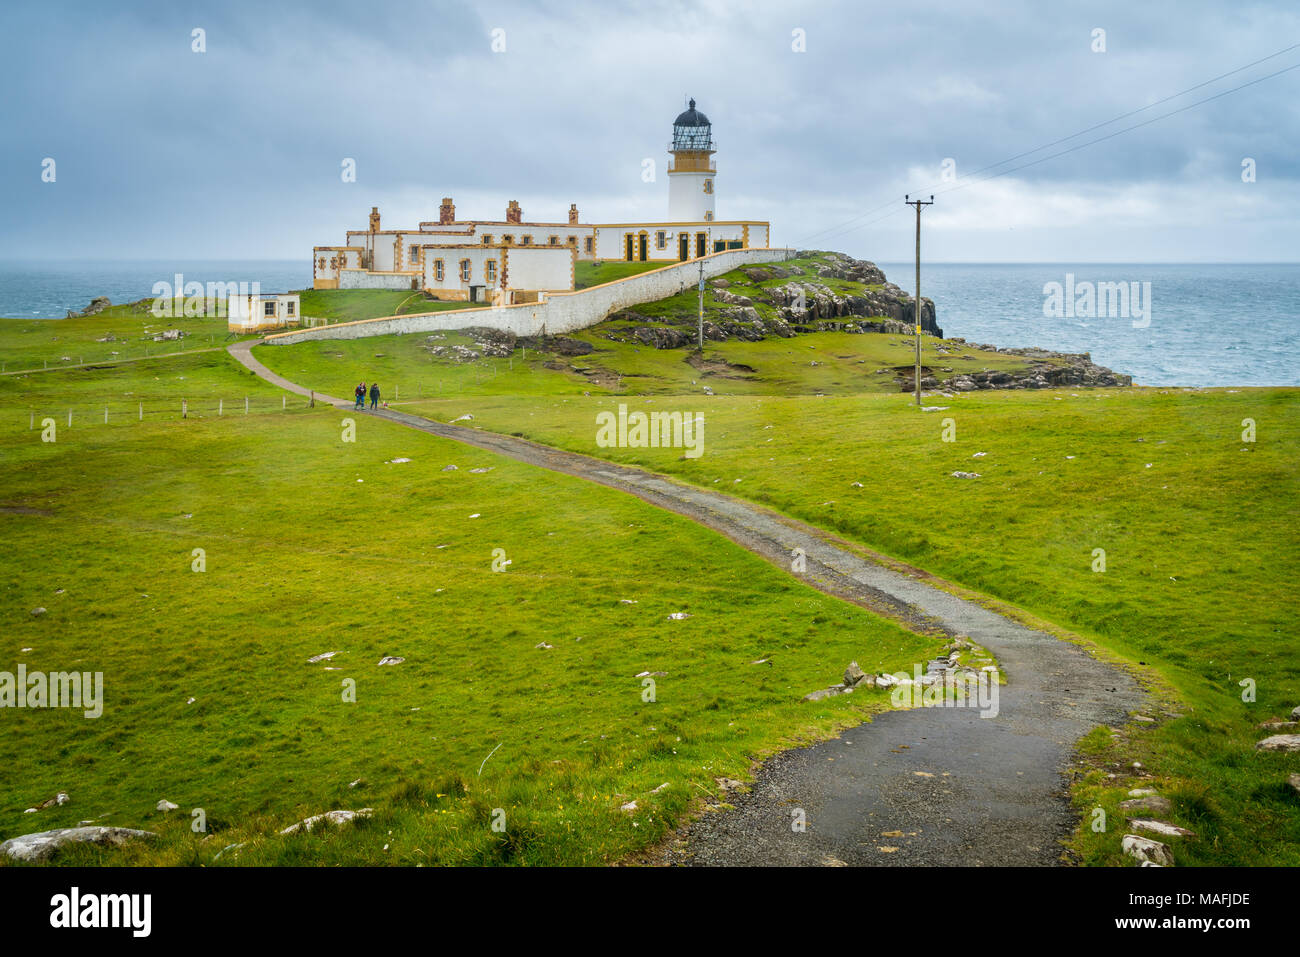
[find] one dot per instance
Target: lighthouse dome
(692, 130)
(692, 117)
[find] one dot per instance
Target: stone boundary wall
(560, 312)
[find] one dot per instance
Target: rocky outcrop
(807, 305)
(97, 305)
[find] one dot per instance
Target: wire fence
(156, 409)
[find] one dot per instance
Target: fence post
(31, 425)
(245, 405)
(284, 402)
(221, 405)
(69, 417)
(106, 415)
(185, 408)
(141, 411)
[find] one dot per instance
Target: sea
(1165, 325)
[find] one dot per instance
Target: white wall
(364, 279)
(687, 200)
(540, 267)
(558, 313)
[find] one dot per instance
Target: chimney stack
(446, 212)
(573, 214)
(374, 219)
(513, 213)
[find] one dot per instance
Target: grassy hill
(519, 689)
(302, 558)
(1196, 524)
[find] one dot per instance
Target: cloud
(236, 152)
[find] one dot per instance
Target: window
(661, 239)
(587, 243)
(268, 308)
(573, 240)
(526, 241)
(553, 241)
(464, 270)
(487, 239)
(414, 254)
(437, 270)
(289, 307)
(507, 240)
(490, 270)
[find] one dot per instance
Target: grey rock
(333, 817)
(1280, 742)
(853, 675)
(40, 846)
(1146, 850)
(1151, 803)
(1160, 827)
(830, 692)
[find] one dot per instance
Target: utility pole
(916, 309)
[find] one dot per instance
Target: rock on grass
(1146, 850)
(40, 846)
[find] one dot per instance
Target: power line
(1127, 129)
(890, 204)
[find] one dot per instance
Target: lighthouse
(692, 172)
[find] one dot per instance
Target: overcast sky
(236, 152)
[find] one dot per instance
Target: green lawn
(588, 273)
(1198, 529)
(1197, 526)
(312, 545)
(348, 305)
(830, 363)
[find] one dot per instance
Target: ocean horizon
(1165, 324)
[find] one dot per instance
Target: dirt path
(947, 786)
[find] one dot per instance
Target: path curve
(947, 786)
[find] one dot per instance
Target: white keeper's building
(511, 260)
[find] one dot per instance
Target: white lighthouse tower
(692, 172)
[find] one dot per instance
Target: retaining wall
(561, 312)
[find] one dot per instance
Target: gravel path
(937, 786)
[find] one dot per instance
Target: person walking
(374, 395)
(360, 393)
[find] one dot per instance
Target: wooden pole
(916, 306)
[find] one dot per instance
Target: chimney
(513, 213)
(374, 219)
(446, 212)
(573, 214)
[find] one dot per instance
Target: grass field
(1196, 523)
(312, 544)
(829, 363)
(1197, 527)
(587, 273)
(348, 305)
